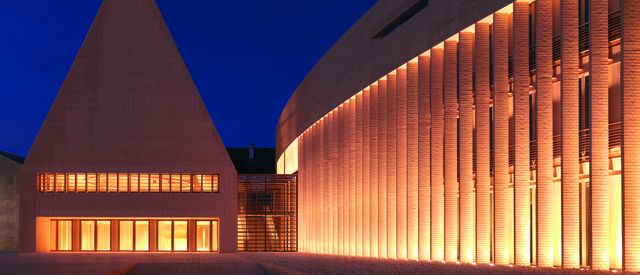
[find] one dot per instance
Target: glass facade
(267, 213)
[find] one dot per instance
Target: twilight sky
(246, 57)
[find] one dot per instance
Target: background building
(9, 194)
(474, 131)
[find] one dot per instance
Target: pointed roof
(128, 102)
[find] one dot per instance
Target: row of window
(127, 182)
(133, 235)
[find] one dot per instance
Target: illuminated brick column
(352, 177)
(599, 158)
(342, 248)
(373, 172)
(521, 113)
(302, 188)
(382, 168)
(333, 179)
(314, 188)
(467, 213)
(366, 181)
(392, 166)
(570, 136)
(424, 158)
(450, 150)
(631, 138)
(401, 153)
(412, 160)
(358, 158)
(322, 184)
(544, 110)
(501, 136)
(437, 144)
(483, 177)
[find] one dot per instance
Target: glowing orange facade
(510, 139)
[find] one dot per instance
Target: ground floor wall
(135, 234)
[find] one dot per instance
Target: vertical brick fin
(333, 204)
(392, 162)
(631, 137)
(374, 153)
(366, 182)
(345, 180)
(599, 166)
(570, 136)
(450, 151)
(544, 110)
(521, 120)
(482, 143)
(401, 153)
(467, 213)
(342, 208)
(413, 159)
(352, 177)
(358, 172)
(424, 158)
(326, 222)
(501, 136)
(437, 144)
(302, 214)
(382, 168)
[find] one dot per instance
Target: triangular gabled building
(128, 158)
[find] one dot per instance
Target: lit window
(126, 235)
(197, 183)
(103, 229)
(165, 181)
(102, 182)
(175, 182)
(64, 236)
(142, 235)
(87, 235)
(123, 183)
(203, 229)
(155, 183)
(207, 183)
(186, 183)
(112, 182)
(133, 182)
(164, 236)
(49, 181)
(144, 182)
(81, 182)
(91, 182)
(214, 235)
(180, 235)
(71, 182)
(59, 182)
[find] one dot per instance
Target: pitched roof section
(12, 157)
(128, 102)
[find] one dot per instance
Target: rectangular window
(164, 236)
(203, 231)
(165, 181)
(144, 182)
(155, 183)
(49, 181)
(186, 183)
(123, 182)
(112, 182)
(175, 182)
(126, 182)
(180, 236)
(92, 182)
(126, 236)
(64, 236)
(71, 182)
(142, 235)
(59, 182)
(214, 235)
(102, 182)
(87, 235)
(133, 182)
(81, 182)
(207, 184)
(103, 232)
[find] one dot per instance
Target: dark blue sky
(246, 57)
